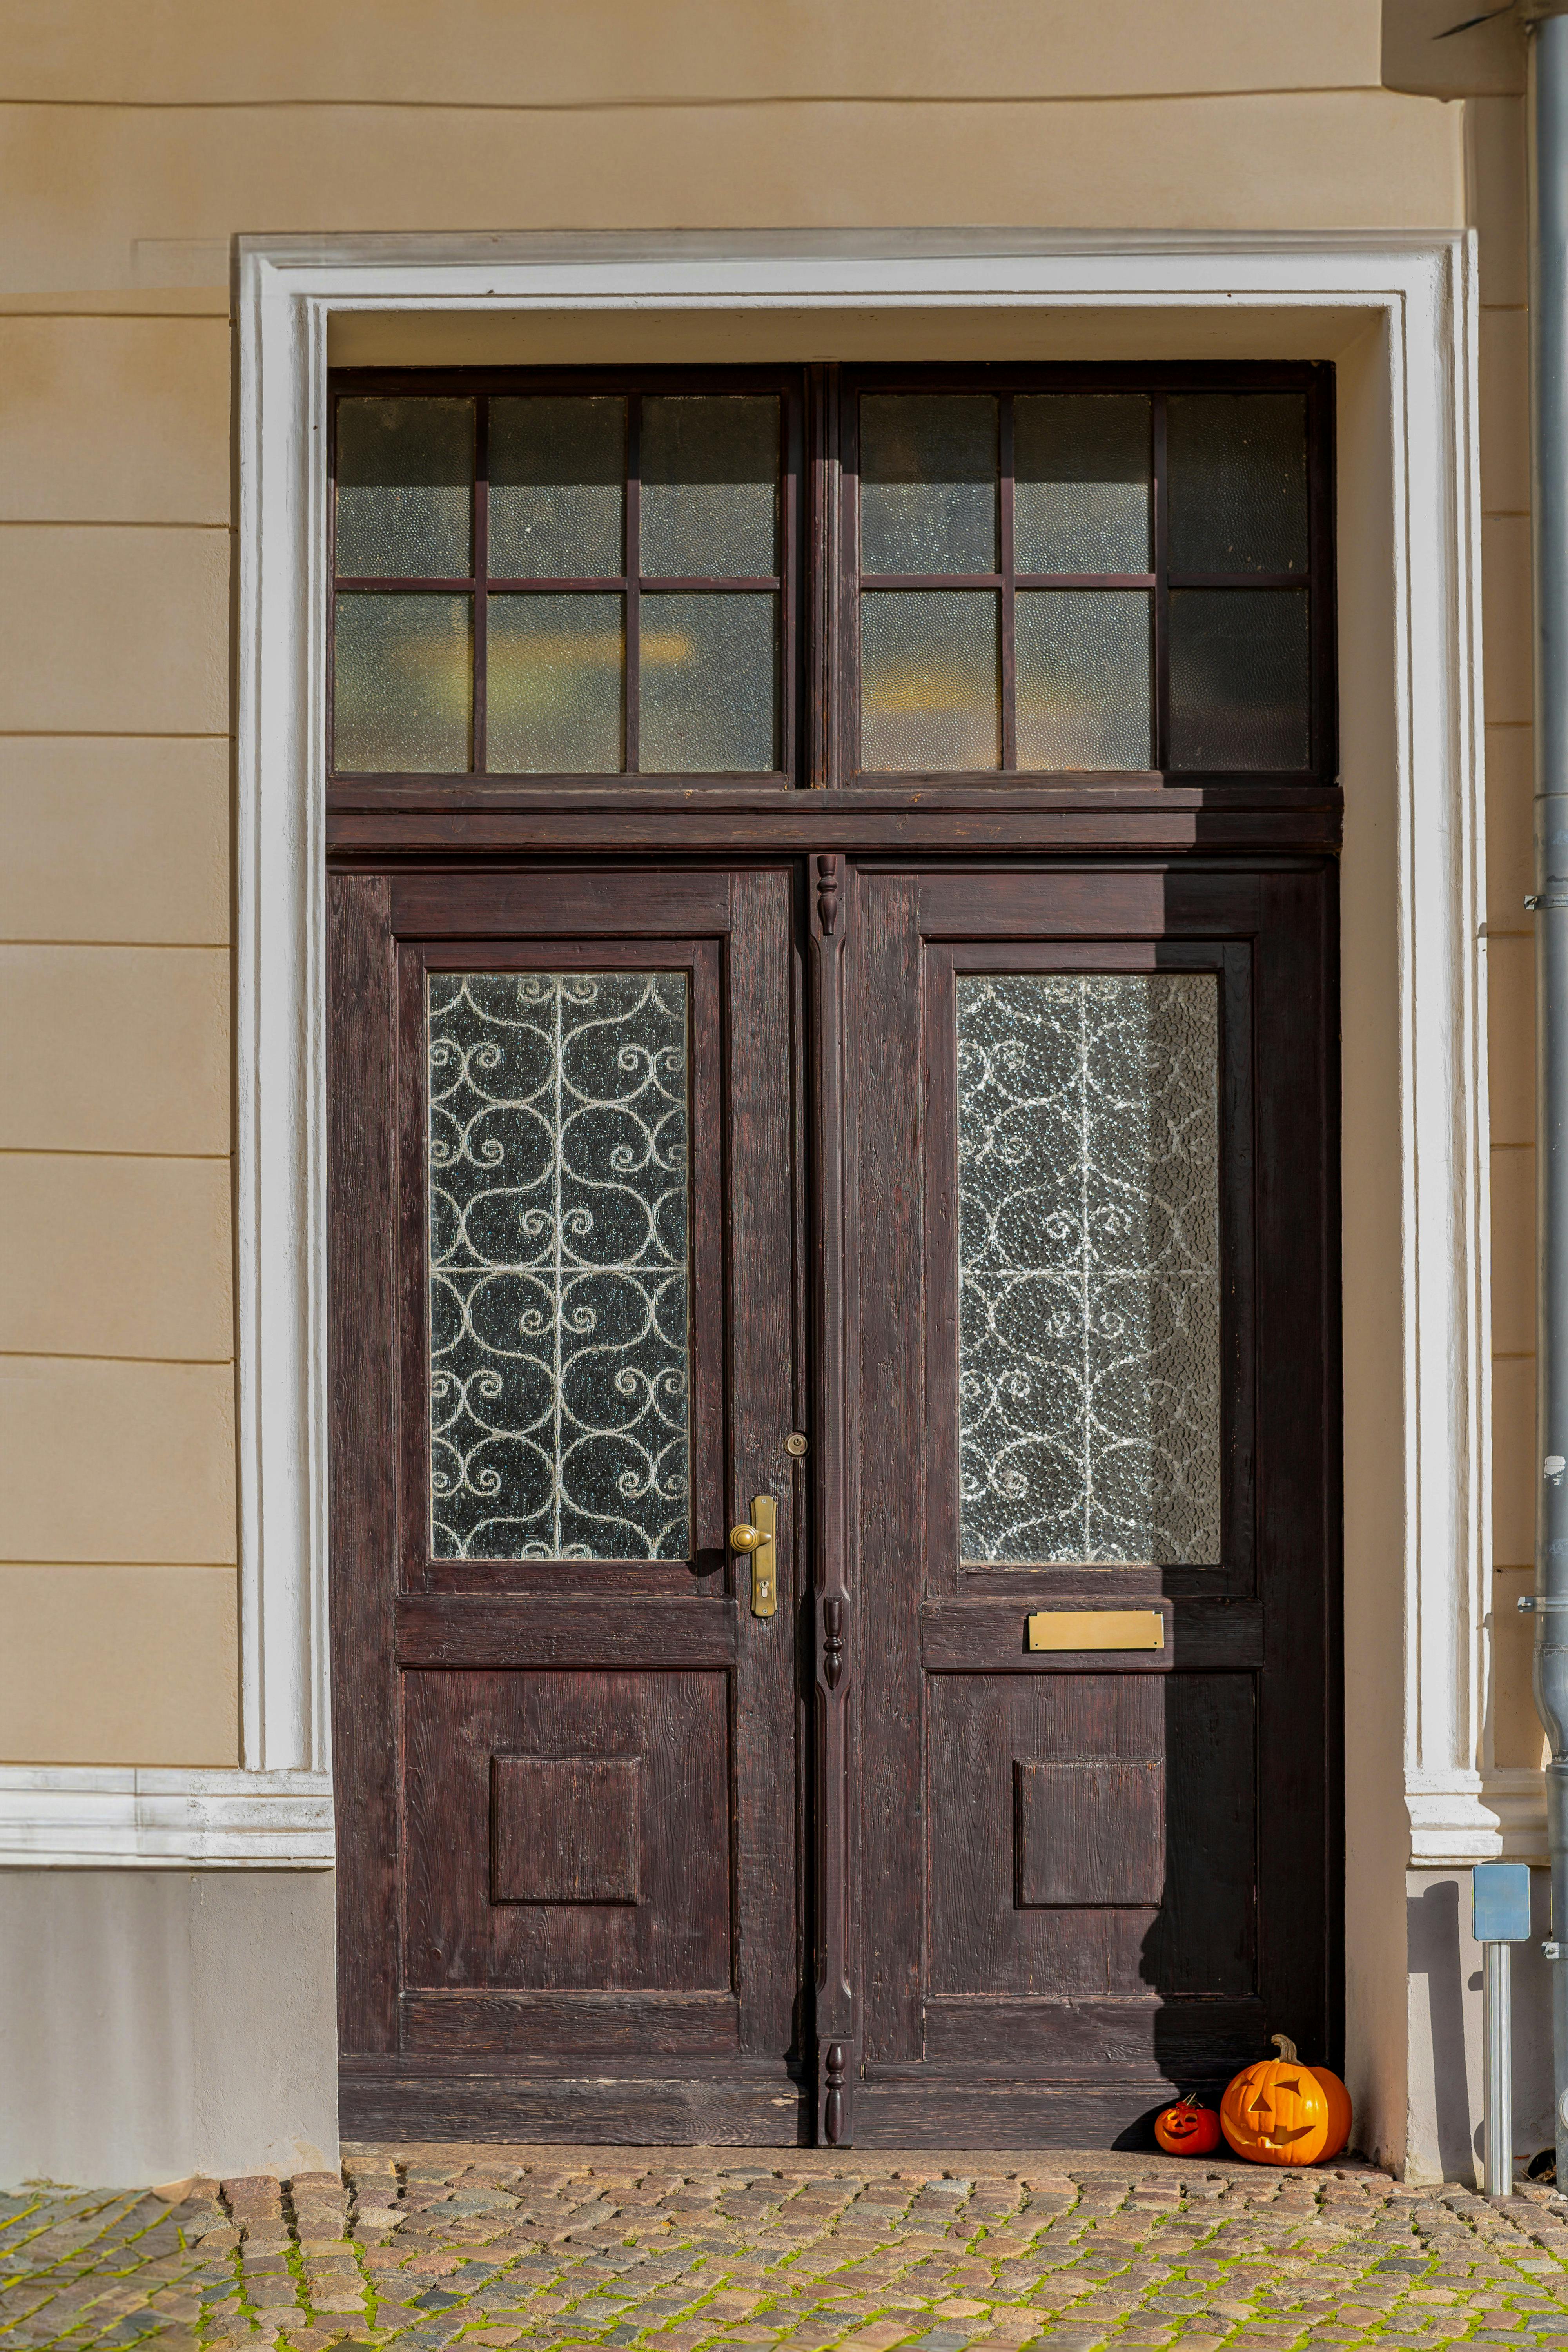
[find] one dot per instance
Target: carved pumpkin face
(1187, 2129)
(1277, 2113)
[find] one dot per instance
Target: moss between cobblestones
(568, 2250)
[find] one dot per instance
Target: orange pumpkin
(1280, 2111)
(1187, 2129)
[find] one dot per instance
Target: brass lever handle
(755, 1536)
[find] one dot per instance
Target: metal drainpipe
(1548, 25)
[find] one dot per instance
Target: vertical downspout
(1549, 526)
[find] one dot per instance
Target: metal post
(1549, 510)
(1500, 1895)
(1500, 2070)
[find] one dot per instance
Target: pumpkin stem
(1286, 2049)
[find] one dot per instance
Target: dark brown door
(1089, 1136)
(564, 1358)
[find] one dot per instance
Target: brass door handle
(755, 1536)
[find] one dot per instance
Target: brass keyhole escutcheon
(755, 1536)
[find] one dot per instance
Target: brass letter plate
(1096, 1629)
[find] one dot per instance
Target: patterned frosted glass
(1089, 1349)
(929, 690)
(402, 688)
(1080, 494)
(557, 477)
(405, 471)
(553, 686)
(558, 1265)
(1240, 678)
(1082, 667)
(928, 482)
(1238, 481)
(709, 488)
(709, 669)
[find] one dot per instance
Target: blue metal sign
(1501, 1895)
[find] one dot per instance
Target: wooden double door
(834, 1533)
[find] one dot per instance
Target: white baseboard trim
(114, 1816)
(1459, 1818)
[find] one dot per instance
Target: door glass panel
(402, 684)
(1089, 1350)
(1238, 481)
(405, 489)
(709, 488)
(928, 482)
(708, 667)
(1080, 499)
(558, 1208)
(1083, 677)
(553, 685)
(1240, 678)
(930, 681)
(557, 489)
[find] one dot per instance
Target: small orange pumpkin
(1280, 2111)
(1187, 2129)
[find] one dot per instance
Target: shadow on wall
(1432, 1931)
(1443, 1951)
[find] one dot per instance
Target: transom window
(1039, 574)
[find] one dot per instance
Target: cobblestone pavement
(676, 2249)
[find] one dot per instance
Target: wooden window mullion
(634, 580)
(1009, 611)
(1162, 600)
(478, 756)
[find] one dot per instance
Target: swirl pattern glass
(1089, 1351)
(559, 1205)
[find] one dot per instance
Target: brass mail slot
(1096, 1629)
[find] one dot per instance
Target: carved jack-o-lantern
(1280, 2111)
(1187, 2129)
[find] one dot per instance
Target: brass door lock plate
(756, 1536)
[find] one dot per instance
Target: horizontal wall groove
(76, 1152)
(127, 947)
(752, 103)
(95, 1356)
(110, 734)
(109, 523)
(133, 1567)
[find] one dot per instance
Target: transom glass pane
(1241, 677)
(930, 681)
(559, 1211)
(928, 482)
(557, 489)
(403, 693)
(1089, 1349)
(1080, 499)
(555, 685)
(1083, 677)
(405, 489)
(709, 672)
(709, 488)
(1238, 481)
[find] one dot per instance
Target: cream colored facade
(137, 147)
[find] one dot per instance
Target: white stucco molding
(275, 1809)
